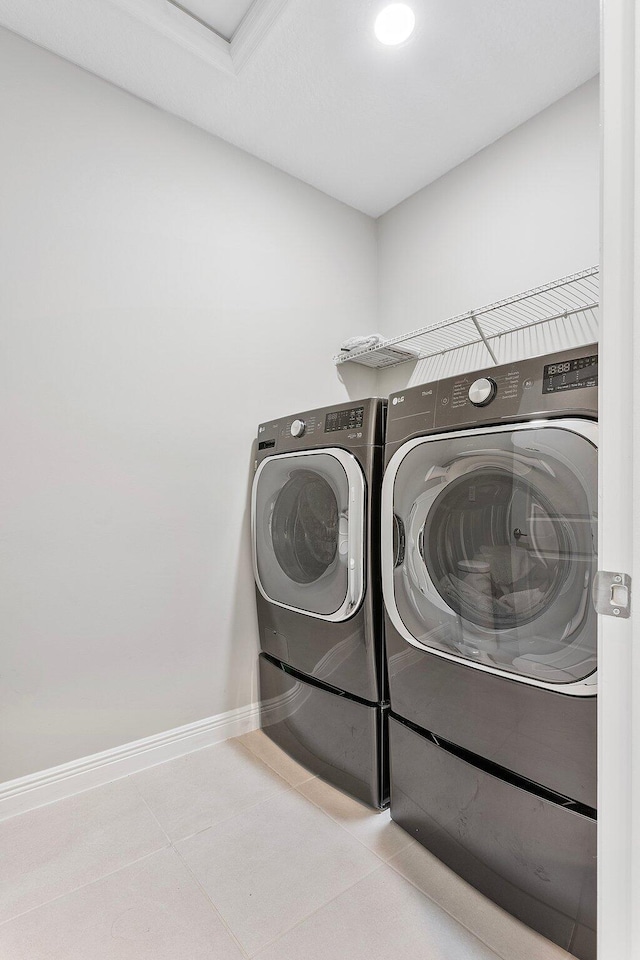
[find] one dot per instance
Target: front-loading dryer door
(489, 549)
(308, 514)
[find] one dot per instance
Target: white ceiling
(307, 87)
(223, 16)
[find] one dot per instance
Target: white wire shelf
(575, 296)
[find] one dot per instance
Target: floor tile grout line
(318, 806)
(291, 789)
(144, 800)
(346, 829)
(233, 816)
(82, 886)
(169, 845)
(342, 827)
(311, 776)
(441, 906)
(288, 788)
(317, 909)
(503, 956)
(255, 756)
(252, 806)
(388, 860)
(215, 909)
(297, 788)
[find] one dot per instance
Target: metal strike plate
(612, 594)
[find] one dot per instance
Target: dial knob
(482, 391)
(297, 428)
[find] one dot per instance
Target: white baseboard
(26, 793)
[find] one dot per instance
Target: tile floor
(231, 852)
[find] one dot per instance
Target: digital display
(570, 374)
(554, 368)
(344, 419)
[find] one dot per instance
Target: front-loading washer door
(308, 513)
(489, 549)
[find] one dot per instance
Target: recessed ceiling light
(395, 24)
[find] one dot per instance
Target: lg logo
(397, 400)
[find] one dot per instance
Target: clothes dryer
(315, 531)
(489, 521)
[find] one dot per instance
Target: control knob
(297, 428)
(482, 391)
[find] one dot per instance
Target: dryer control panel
(351, 418)
(561, 384)
(343, 425)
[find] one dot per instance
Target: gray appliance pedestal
(340, 739)
(545, 875)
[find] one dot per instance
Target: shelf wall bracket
(484, 339)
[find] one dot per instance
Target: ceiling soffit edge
(190, 33)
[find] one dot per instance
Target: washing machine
(315, 530)
(489, 521)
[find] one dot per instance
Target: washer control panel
(562, 383)
(482, 391)
(574, 374)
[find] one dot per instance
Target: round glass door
(308, 520)
(477, 553)
(305, 526)
(494, 549)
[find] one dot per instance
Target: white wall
(161, 293)
(519, 214)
